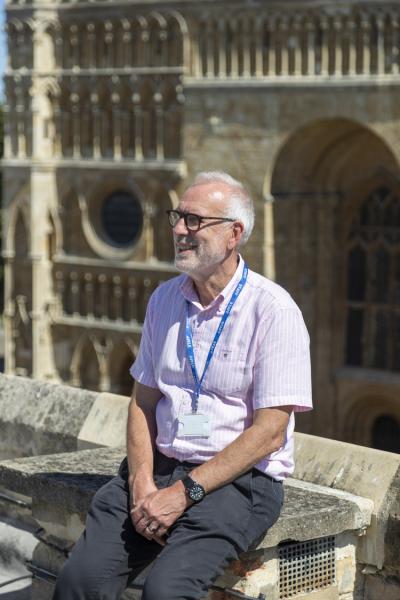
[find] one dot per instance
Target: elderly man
(222, 367)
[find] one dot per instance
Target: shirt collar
(189, 291)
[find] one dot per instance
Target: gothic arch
(86, 363)
(18, 208)
(120, 359)
(367, 405)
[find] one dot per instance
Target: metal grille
(306, 566)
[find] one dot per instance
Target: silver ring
(152, 529)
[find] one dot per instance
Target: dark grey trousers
(110, 553)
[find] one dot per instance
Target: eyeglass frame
(185, 215)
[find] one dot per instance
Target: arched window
(373, 284)
(385, 434)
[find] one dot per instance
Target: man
(223, 365)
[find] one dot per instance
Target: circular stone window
(122, 219)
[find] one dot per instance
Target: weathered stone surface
(105, 424)
(382, 587)
(40, 418)
(364, 471)
(62, 485)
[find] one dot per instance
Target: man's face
(201, 252)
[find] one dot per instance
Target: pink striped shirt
(261, 360)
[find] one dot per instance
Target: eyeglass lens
(191, 221)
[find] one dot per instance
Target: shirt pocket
(228, 372)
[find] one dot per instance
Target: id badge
(194, 424)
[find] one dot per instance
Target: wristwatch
(194, 490)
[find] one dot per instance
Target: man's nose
(180, 227)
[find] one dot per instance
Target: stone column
(9, 309)
(380, 44)
(324, 24)
(258, 48)
(96, 116)
(272, 50)
(234, 49)
(74, 44)
(338, 55)
(310, 29)
(284, 48)
(159, 110)
(137, 111)
(269, 241)
(43, 196)
(366, 44)
(8, 116)
(221, 40)
(108, 44)
(209, 39)
(297, 49)
(90, 58)
(246, 47)
(395, 44)
(352, 32)
(76, 126)
(116, 121)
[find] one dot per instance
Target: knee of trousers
(73, 582)
(156, 588)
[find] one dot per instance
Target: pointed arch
(120, 359)
(85, 364)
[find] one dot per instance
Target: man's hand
(155, 513)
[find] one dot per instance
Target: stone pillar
(297, 49)
(366, 44)
(380, 45)
(209, 39)
(9, 349)
(284, 49)
(234, 49)
(76, 126)
(137, 111)
(324, 24)
(272, 50)
(352, 32)
(258, 48)
(158, 99)
(8, 115)
(43, 196)
(310, 29)
(395, 44)
(338, 54)
(96, 116)
(269, 241)
(221, 39)
(116, 122)
(246, 47)
(90, 58)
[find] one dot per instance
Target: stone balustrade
(99, 293)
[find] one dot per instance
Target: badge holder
(194, 424)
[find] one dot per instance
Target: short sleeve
(142, 369)
(282, 370)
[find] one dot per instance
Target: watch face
(196, 492)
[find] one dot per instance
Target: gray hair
(240, 204)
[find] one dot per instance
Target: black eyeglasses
(191, 220)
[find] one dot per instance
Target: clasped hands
(155, 511)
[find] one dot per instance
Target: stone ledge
(62, 485)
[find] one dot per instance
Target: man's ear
(237, 233)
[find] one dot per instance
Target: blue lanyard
(189, 339)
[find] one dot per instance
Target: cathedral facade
(112, 107)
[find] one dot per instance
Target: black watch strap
(194, 490)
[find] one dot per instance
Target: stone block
(105, 425)
(382, 587)
(33, 416)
